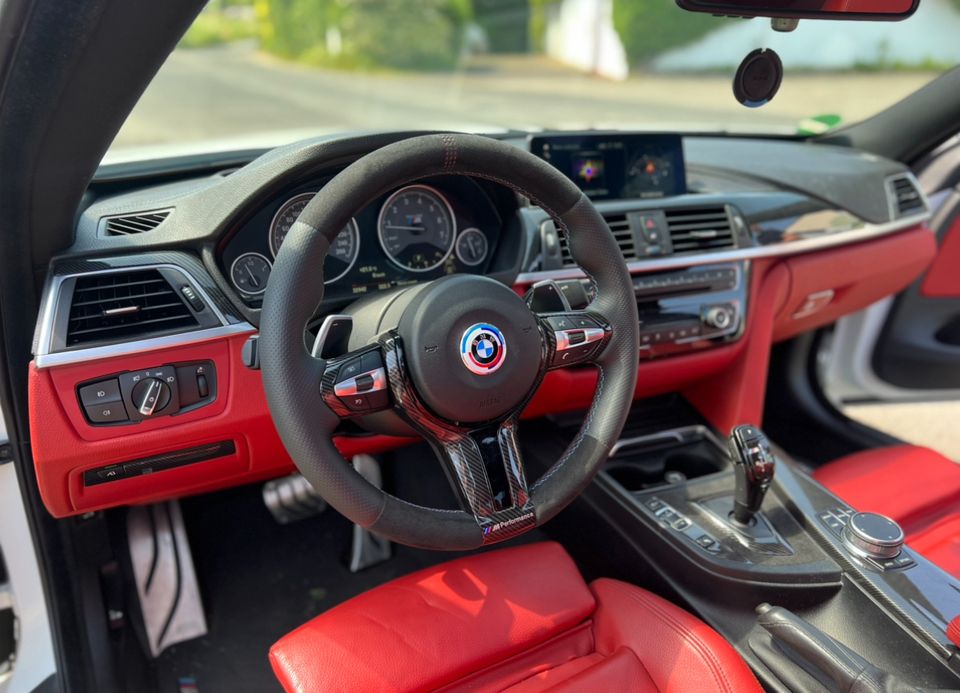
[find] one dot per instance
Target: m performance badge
(483, 349)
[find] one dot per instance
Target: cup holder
(644, 464)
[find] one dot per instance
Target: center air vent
(130, 224)
(121, 306)
(905, 196)
(620, 227)
(697, 230)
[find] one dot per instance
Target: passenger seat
(915, 486)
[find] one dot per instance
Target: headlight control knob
(150, 395)
(870, 535)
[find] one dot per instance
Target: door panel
(919, 346)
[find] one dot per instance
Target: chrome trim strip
(590, 335)
(350, 387)
(804, 245)
(51, 302)
(62, 358)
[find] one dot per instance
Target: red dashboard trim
(727, 384)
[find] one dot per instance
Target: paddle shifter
(753, 465)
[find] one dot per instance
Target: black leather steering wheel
(462, 360)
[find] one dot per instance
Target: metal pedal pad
(368, 549)
(292, 498)
(167, 584)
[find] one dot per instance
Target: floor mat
(260, 580)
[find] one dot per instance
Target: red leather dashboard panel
(943, 278)
(727, 384)
(65, 445)
(858, 274)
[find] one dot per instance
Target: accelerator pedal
(292, 498)
(368, 549)
(167, 585)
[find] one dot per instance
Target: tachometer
(343, 253)
(417, 228)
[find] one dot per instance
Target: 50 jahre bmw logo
(483, 348)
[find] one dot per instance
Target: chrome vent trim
(701, 229)
(133, 224)
(123, 306)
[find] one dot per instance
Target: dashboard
(144, 383)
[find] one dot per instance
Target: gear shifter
(753, 465)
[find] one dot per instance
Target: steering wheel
(456, 358)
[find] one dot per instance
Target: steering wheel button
(356, 403)
(371, 361)
(363, 382)
(575, 337)
(350, 369)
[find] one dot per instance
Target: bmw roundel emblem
(483, 348)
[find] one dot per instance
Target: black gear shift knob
(753, 466)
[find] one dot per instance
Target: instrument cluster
(421, 231)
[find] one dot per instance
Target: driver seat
(519, 620)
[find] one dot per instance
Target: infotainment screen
(617, 166)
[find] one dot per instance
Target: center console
(815, 594)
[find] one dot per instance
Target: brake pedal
(163, 569)
(292, 498)
(368, 549)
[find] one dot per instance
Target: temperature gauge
(250, 272)
(472, 247)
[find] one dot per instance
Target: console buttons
(111, 473)
(107, 412)
(100, 393)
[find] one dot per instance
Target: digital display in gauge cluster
(419, 232)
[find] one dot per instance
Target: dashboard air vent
(125, 305)
(129, 224)
(906, 198)
(620, 227)
(699, 230)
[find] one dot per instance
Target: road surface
(234, 90)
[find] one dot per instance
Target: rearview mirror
(876, 10)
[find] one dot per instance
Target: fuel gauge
(250, 272)
(472, 247)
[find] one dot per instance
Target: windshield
(264, 72)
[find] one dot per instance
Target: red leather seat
(519, 620)
(917, 487)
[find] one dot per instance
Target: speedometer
(417, 228)
(342, 254)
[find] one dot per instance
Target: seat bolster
(913, 485)
(436, 626)
(679, 652)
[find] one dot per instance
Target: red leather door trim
(943, 277)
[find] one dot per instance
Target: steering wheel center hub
(473, 348)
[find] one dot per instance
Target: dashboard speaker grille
(125, 305)
(130, 224)
(622, 232)
(699, 229)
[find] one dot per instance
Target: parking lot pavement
(935, 425)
